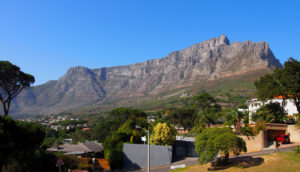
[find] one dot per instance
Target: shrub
(297, 149)
(164, 134)
(247, 131)
(258, 127)
(214, 140)
(113, 150)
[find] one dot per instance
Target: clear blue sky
(46, 37)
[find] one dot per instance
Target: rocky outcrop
(210, 60)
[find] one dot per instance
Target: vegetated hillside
(230, 92)
(213, 65)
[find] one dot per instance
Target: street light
(148, 152)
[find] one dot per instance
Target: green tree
(199, 126)
(103, 129)
(12, 82)
(234, 117)
(270, 113)
(284, 82)
(122, 114)
(206, 108)
(229, 143)
(113, 149)
(210, 142)
(163, 134)
(209, 115)
(183, 117)
(204, 101)
(80, 136)
(133, 135)
(20, 147)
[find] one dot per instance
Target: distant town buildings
(57, 122)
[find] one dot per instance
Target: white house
(289, 105)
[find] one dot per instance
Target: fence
(135, 156)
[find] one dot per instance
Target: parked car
(283, 138)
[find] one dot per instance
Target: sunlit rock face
(209, 60)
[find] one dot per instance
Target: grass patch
(277, 162)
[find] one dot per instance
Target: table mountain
(213, 59)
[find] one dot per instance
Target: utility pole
(148, 149)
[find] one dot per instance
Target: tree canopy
(214, 140)
(20, 147)
(206, 108)
(183, 117)
(270, 113)
(122, 114)
(12, 82)
(204, 101)
(234, 117)
(282, 82)
(164, 134)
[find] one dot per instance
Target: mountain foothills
(209, 64)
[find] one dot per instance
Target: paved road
(192, 161)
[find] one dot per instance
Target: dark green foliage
(199, 126)
(115, 158)
(213, 140)
(183, 117)
(53, 136)
(122, 114)
(12, 82)
(103, 128)
(297, 149)
(229, 143)
(81, 136)
(284, 82)
(270, 113)
(204, 101)
(268, 87)
(113, 144)
(48, 142)
(259, 126)
(234, 117)
(210, 115)
(297, 119)
(206, 108)
(243, 106)
(20, 147)
(113, 149)
(247, 131)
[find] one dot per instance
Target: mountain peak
(210, 60)
(78, 69)
(224, 39)
(217, 41)
(221, 40)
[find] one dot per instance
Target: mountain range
(212, 60)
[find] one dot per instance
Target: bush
(163, 134)
(298, 119)
(214, 140)
(260, 126)
(14, 166)
(297, 149)
(113, 150)
(247, 131)
(115, 159)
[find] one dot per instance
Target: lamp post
(148, 150)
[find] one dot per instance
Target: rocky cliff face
(210, 60)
